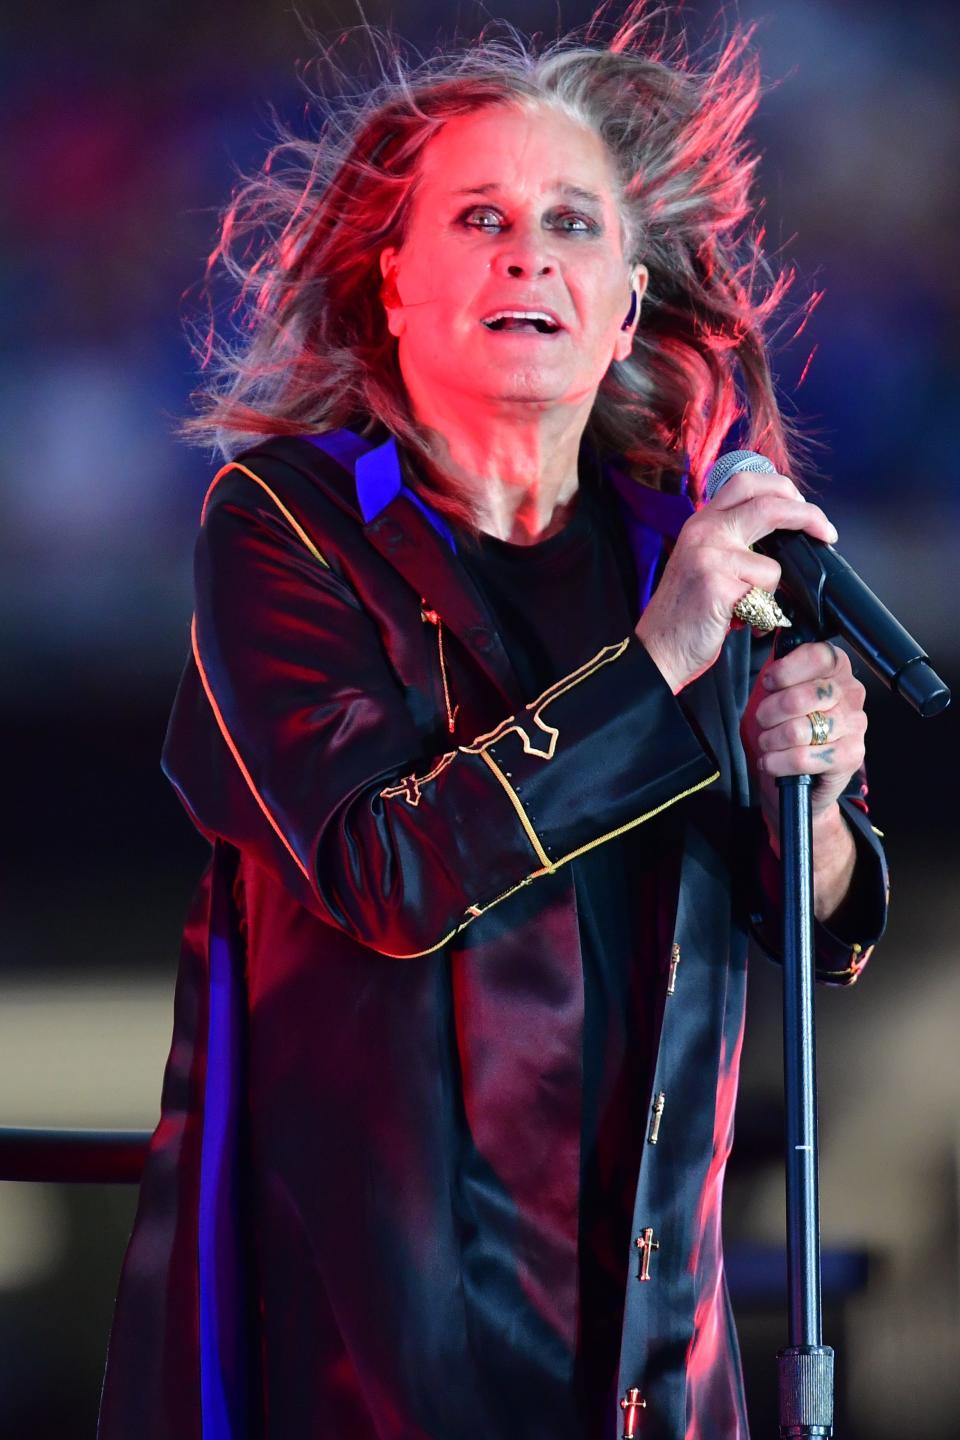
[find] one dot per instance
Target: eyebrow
(563, 187)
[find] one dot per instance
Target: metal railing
(116, 1157)
(68, 1156)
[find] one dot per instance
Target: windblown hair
(312, 350)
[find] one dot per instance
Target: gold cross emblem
(656, 1116)
(672, 974)
(646, 1244)
(630, 1405)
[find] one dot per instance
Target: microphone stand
(822, 606)
(805, 1367)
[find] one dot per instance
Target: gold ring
(759, 609)
(819, 728)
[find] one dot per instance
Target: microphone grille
(727, 465)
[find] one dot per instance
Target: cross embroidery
(409, 788)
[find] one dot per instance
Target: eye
(574, 223)
(482, 217)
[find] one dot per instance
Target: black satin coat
(359, 1213)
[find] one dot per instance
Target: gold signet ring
(759, 609)
(819, 728)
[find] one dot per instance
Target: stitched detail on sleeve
(525, 821)
(236, 753)
(536, 707)
(290, 519)
(640, 818)
(474, 911)
(850, 976)
(411, 785)
(430, 950)
(858, 959)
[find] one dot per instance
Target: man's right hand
(712, 567)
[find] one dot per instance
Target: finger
(817, 660)
(843, 757)
(798, 730)
(755, 569)
(727, 575)
(799, 700)
(756, 518)
(747, 485)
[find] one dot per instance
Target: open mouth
(531, 321)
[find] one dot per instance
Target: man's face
(514, 210)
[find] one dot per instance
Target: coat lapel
(416, 541)
(405, 538)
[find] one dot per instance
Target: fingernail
(834, 534)
(769, 683)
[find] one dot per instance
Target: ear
(639, 278)
(389, 293)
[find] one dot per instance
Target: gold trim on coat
(290, 519)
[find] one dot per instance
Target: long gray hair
(301, 241)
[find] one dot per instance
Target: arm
(290, 739)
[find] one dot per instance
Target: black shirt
(556, 603)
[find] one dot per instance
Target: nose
(517, 270)
(519, 265)
(524, 254)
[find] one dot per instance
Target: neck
(517, 461)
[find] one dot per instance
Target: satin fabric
(401, 1159)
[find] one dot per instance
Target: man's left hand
(777, 731)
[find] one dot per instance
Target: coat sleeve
(842, 949)
(290, 738)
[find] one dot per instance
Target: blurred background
(124, 127)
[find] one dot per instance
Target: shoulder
(288, 470)
(285, 497)
(290, 484)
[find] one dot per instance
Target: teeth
(519, 315)
(543, 322)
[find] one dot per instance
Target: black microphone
(825, 595)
